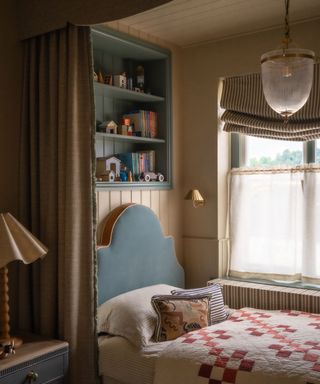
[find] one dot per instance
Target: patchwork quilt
(252, 346)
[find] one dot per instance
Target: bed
(254, 346)
(132, 244)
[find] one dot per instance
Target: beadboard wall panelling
(166, 204)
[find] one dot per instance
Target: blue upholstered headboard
(135, 253)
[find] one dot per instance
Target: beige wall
(205, 152)
(166, 204)
(10, 87)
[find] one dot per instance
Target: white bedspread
(252, 346)
(122, 361)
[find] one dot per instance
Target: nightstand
(37, 361)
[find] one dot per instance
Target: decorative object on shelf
(16, 243)
(125, 127)
(105, 164)
(123, 174)
(140, 78)
(100, 77)
(196, 197)
(130, 83)
(108, 175)
(108, 126)
(287, 74)
(130, 178)
(108, 80)
(151, 176)
(124, 130)
(95, 76)
(120, 80)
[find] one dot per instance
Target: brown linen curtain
(57, 295)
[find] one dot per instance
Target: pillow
(178, 315)
(217, 310)
(131, 314)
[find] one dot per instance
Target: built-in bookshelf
(115, 54)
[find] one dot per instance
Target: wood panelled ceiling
(189, 22)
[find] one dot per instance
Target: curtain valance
(40, 17)
(247, 112)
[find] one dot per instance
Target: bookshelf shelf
(129, 139)
(101, 185)
(125, 94)
(115, 53)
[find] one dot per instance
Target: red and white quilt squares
(252, 346)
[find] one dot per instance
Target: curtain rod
(298, 168)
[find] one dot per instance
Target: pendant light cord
(287, 27)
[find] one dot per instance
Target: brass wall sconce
(196, 197)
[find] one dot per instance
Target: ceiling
(189, 22)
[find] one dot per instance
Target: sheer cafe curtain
(275, 224)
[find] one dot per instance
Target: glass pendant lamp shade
(287, 76)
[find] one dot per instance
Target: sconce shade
(287, 76)
(196, 197)
(17, 243)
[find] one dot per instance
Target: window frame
(238, 150)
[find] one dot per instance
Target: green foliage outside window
(287, 157)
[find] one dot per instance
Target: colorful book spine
(144, 122)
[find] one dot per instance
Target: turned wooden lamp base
(5, 337)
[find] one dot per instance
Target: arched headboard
(135, 253)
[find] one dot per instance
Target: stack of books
(144, 122)
(138, 162)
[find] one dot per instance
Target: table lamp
(16, 243)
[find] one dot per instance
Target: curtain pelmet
(247, 112)
(56, 295)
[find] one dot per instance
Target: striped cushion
(217, 309)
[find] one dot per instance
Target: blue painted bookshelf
(115, 53)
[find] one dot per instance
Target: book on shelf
(138, 162)
(144, 122)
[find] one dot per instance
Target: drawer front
(49, 370)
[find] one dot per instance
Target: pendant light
(287, 75)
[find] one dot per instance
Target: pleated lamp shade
(16, 243)
(196, 197)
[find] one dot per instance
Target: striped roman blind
(247, 112)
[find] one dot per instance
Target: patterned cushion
(178, 315)
(217, 309)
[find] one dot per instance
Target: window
(249, 151)
(275, 210)
(267, 153)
